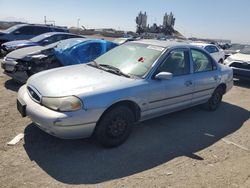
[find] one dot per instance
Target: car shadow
(12, 85)
(242, 83)
(152, 143)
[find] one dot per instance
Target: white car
(216, 52)
(240, 62)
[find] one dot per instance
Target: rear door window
(201, 61)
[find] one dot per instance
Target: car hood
(75, 80)
(20, 43)
(23, 52)
(241, 57)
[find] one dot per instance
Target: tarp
(81, 51)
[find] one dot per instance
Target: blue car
(40, 40)
(22, 63)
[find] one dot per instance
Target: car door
(173, 94)
(206, 76)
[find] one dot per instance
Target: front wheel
(114, 127)
(215, 100)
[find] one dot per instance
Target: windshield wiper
(113, 69)
(95, 64)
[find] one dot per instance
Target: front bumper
(10, 69)
(67, 125)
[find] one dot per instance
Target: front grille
(34, 94)
(239, 65)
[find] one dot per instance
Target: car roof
(59, 33)
(201, 44)
(162, 43)
(40, 25)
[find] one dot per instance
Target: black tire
(215, 100)
(114, 127)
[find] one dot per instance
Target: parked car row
(22, 63)
(105, 88)
(27, 31)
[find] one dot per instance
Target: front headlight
(62, 104)
(10, 47)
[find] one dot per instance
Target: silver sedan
(133, 82)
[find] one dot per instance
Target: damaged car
(22, 63)
(240, 63)
(133, 82)
(40, 40)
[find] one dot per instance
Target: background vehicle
(27, 31)
(40, 40)
(217, 53)
(240, 62)
(22, 63)
(132, 82)
(235, 48)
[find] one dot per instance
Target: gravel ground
(191, 148)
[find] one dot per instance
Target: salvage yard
(191, 148)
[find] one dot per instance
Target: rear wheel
(215, 100)
(114, 127)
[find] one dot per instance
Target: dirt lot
(191, 148)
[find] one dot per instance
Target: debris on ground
(15, 140)
(237, 145)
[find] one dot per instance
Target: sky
(215, 19)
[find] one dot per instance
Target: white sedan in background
(217, 53)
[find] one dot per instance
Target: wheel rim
(216, 99)
(117, 127)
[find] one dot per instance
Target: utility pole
(78, 20)
(45, 20)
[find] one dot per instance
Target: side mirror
(164, 76)
(17, 33)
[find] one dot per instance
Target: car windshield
(40, 37)
(246, 51)
(131, 58)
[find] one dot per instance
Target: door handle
(188, 83)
